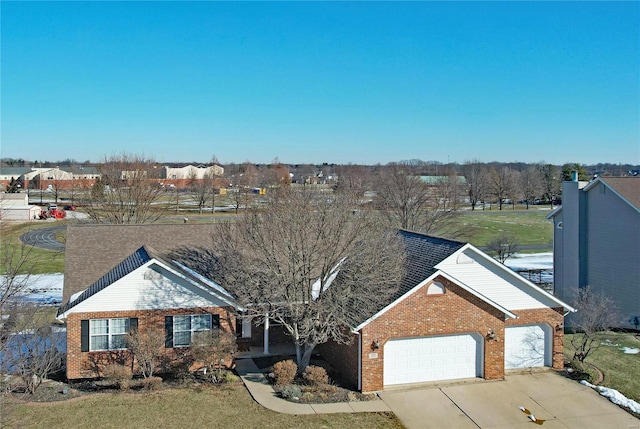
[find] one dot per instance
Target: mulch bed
(335, 391)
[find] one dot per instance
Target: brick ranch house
(457, 314)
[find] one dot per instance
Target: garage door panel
(527, 346)
(415, 360)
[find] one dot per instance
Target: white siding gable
(494, 281)
(150, 287)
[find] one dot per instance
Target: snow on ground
(630, 350)
(43, 288)
(523, 262)
(614, 396)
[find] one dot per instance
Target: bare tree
(503, 183)
(309, 263)
(200, 188)
(529, 184)
(402, 195)
(596, 314)
(477, 177)
(213, 348)
(147, 347)
(503, 246)
(354, 178)
(550, 178)
(32, 353)
(129, 191)
(410, 203)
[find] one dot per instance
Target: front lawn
(225, 406)
(621, 370)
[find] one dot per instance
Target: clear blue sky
(361, 82)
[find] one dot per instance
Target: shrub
(290, 392)
(285, 371)
(118, 375)
(151, 383)
(227, 377)
(315, 375)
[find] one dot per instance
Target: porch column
(266, 334)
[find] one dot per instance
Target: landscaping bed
(302, 391)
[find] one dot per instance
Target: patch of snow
(614, 396)
(630, 350)
(523, 262)
(43, 288)
(76, 295)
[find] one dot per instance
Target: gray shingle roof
(130, 264)
(424, 252)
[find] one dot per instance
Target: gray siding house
(596, 242)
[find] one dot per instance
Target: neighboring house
(458, 312)
(596, 242)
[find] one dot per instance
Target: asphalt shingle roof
(628, 187)
(423, 253)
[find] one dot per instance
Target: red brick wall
(418, 315)
(455, 312)
(90, 364)
(343, 358)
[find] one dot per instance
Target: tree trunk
(306, 357)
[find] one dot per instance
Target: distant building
(596, 242)
(183, 176)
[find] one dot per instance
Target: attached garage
(419, 360)
(527, 346)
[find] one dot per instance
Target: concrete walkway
(263, 394)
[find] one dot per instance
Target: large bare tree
(530, 184)
(128, 192)
(477, 177)
(311, 263)
(411, 203)
(503, 183)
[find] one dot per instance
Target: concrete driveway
(560, 402)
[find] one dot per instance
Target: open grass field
(227, 406)
(621, 371)
(478, 227)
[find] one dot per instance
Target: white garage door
(527, 346)
(416, 360)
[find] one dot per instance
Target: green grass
(621, 371)
(479, 227)
(42, 261)
(226, 406)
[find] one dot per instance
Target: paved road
(44, 238)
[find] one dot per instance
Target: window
(185, 326)
(435, 288)
(108, 334)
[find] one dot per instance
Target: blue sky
(360, 82)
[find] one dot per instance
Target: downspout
(266, 333)
(359, 360)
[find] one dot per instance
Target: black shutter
(133, 324)
(215, 321)
(168, 332)
(84, 335)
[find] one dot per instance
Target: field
(478, 227)
(226, 406)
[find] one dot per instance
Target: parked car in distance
(71, 207)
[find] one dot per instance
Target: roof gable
(163, 268)
(627, 188)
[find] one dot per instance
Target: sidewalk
(263, 394)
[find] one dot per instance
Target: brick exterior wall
(343, 358)
(419, 315)
(90, 364)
